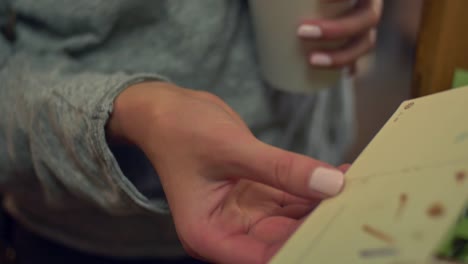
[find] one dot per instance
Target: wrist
(134, 109)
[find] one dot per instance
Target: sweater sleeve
(52, 131)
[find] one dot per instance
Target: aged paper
(402, 195)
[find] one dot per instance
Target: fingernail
(309, 31)
(321, 60)
(326, 181)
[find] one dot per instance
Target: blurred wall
(384, 77)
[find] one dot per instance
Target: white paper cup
(282, 55)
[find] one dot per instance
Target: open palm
(251, 223)
(234, 199)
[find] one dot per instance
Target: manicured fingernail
(326, 181)
(321, 60)
(309, 31)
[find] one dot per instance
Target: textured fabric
(58, 81)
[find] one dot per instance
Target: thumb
(290, 172)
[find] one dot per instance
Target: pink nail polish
(326, 181)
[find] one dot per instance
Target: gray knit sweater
(71, 58)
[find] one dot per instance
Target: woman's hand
(356, 29)
(233, 198)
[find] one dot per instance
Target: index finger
(287, 171)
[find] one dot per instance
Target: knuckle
(374, 17)
(283, 171)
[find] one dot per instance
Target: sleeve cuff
(130, 198)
